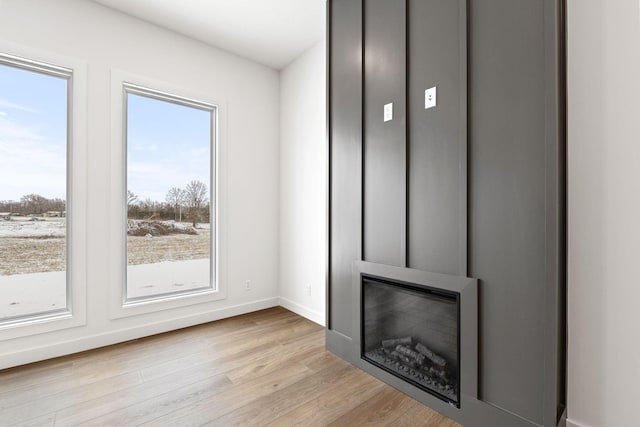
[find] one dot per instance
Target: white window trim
(118, 305)
(77, 196)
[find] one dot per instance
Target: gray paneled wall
(507, 199)
(385, 141)
(471, 187)
(345, 152)
(437, 137)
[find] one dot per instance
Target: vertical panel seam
(362, 128)
(407, 138)
(329, 181)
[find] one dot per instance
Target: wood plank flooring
(267, 368)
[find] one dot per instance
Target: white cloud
(13, 106)
(10, 131)
(153, 179)
(148, 148)
(29, 164)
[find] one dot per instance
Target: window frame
(156, 95)
(120, 305)
(74, 72)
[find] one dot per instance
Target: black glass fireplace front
(413, 332)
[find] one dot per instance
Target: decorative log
(403, 359)
(437, 372)
(406, 351)
(392, 343)
(437, 360)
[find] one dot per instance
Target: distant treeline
(149, 209)
(33, 204)
(190, 202)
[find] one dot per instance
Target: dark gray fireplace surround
(459, 291)
(447, 247)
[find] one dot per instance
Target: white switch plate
(388, 112)
(430, 98)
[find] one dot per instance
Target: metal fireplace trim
(466, 291)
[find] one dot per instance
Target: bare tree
(133, 208)
(132, 199)
(149, 208)
(175, 198)
(34, 203)
(195, 199)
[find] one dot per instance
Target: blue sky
(33, 133)
(168, 146)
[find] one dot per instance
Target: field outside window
(170, 212)
(34, 119)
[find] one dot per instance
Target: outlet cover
(388, 112)
(430, 98)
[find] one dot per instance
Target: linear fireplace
(417, 331)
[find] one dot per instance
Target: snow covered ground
(32, 260)
(24, 227)
(168, 276)
(26, 294)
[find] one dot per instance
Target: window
(35, 111)
(170, 195)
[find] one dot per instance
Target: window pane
(169, 194)
(33, 192)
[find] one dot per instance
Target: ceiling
(271, 32)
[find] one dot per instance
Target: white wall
(303, 186)
(604, 212)
(107, 40)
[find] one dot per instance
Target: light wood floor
(264, 368)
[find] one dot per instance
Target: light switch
(430, 98)
(388, 112)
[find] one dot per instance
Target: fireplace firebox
(417, 331)
(413, 333)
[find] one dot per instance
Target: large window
(170, 191)
(34, 133)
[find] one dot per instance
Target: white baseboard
(573, 424)
(303, 311)
(35, 354)
(63, 348)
